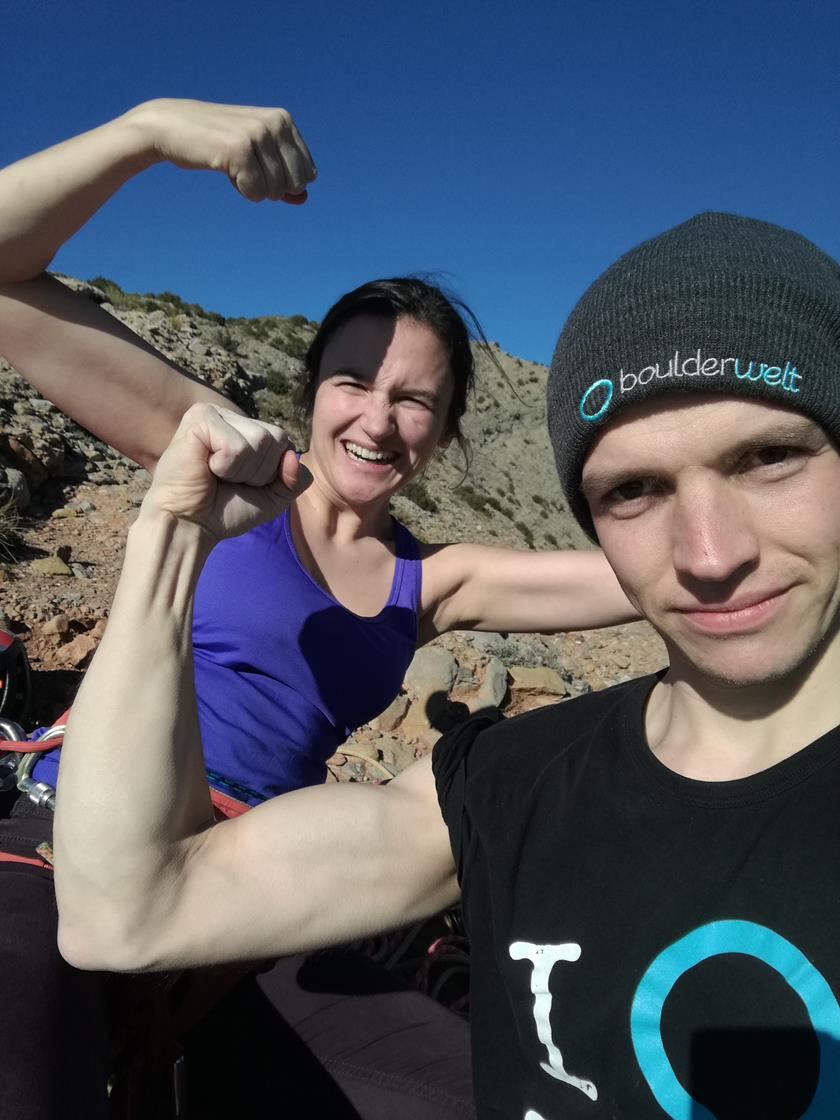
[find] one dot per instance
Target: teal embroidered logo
(597, 397)
(596, 400)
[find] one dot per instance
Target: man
(642, 871)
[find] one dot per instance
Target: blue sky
(515, 149)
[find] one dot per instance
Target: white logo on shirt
(543, 959)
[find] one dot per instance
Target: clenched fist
(260, 150)
(225, 473)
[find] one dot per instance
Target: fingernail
(304, 478)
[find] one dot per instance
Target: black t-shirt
(644, 945)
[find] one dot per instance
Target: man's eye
(632, 490)
(774, 456)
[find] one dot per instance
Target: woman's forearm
(79, 357)
(97, 371)
(47, 197)
(90, 365)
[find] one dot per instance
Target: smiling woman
(304, 626)
(383, 398)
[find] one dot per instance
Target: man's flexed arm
(91, 366)
(142, 881)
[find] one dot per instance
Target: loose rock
(51, 566)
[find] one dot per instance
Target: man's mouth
(744, 615)
(366, 455)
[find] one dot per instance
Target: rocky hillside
(66, 501)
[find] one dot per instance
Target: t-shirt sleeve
(450, 763)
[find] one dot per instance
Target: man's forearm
(141, 737)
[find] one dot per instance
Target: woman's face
(380, 409)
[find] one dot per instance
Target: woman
(305, 626)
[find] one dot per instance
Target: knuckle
(260, 133)
(199, 411)
(242, 150)
(279, 121)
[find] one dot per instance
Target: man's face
(721, 518)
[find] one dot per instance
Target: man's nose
(713, 534)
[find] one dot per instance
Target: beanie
(719, 304)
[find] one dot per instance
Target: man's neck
(711, 731)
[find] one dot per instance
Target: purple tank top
(283, 672)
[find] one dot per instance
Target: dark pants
(351, 1044)
(332, 1035)
(53, 1054)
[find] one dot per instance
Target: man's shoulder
(567, 717)
(530, 740)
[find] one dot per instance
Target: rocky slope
(73, 499)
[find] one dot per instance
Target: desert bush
(151, 301)
(526, 532)
(9, 522)
(474, 500)
(295, 346)
(416, 492)
(276, 381)
(187, 308)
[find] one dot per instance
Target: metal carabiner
(40, 793)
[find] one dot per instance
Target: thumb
(293, 474)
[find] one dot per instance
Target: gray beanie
(719, 304)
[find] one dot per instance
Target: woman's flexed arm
(74, 353)
(47, 197)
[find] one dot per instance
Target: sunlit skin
(721, 519)
(384, 387)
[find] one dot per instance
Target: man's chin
(726, 665)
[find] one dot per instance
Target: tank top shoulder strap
(408, 569)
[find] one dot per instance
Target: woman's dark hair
(406, 297)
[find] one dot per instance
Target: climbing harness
(16, 765)
(20, 755)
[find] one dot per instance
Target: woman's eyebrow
(349, 371)
(425, 394)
